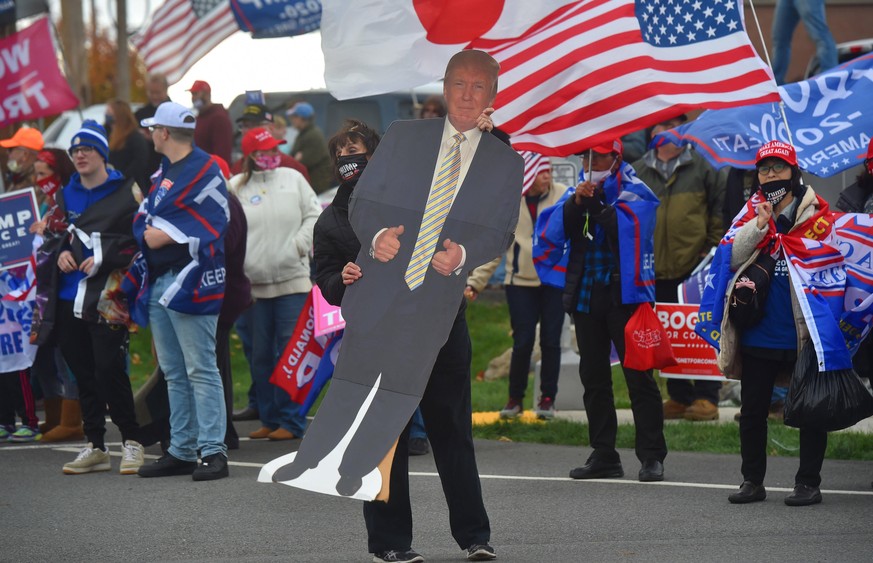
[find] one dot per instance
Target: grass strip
(681, 436)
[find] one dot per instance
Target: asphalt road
(537, 513)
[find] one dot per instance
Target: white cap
(171, 114)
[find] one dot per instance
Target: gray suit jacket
(393, 191)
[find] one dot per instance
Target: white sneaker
(131, 457)
(89, 459)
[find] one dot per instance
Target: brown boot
(70, 427)
(261, 433)
(674, 410)
(52, 414)
(701, 409)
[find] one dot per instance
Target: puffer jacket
(743, 254)
(519, 256)
(689, 219)
(335, 245)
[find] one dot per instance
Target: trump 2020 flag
(573, 73)
(829, 115)
(830, 271)
(712, 301)
(854, 238)
(635, 207)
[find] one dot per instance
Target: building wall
(848, 20)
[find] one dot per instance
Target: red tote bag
(646, 344)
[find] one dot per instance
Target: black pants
(605, 323)
(527, 307)
(97, 356)
(759, 374)
(17, 399)
(222, 355)
(684, 391)
(447, 415)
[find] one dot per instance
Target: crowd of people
(146, 220)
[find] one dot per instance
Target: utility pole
(73, 36)
(122, 62)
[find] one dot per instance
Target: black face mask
(776, 190)
(350, 167)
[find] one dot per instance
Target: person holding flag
(177, 283)
(782, 212)
(530, 301)
(609, 221)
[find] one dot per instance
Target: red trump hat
(200, 86)
(259, 139)
(777, 149)
(607, 147)
(869, 151)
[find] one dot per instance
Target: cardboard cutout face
(468, 91)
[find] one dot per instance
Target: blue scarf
(831, 271)
(635, 206)
(193, 211)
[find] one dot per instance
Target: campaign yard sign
(695, 356)
(18, 211)
(31, 84)
(328, 318)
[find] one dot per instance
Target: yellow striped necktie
(438, 204)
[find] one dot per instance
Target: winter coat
(106, 225)
(314, 156)
(743, 254)
(281, 210)
(335, 246)
(689, 219)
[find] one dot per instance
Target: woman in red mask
(63, 416)
(52, 170)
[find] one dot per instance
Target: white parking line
(685, 484)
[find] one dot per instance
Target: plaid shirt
(596, 268)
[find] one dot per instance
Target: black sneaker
(803, 495)
(212, 467)
(167, 466)
(392, 556)
(481, 552)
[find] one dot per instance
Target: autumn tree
(102, 53)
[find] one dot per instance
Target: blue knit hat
(92, 134)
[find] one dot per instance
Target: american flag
(585, 72)
(595, 70)
(534, 163)
(180, 32)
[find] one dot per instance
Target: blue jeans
(244, 331)
(185, 345)
(272, 324)
(788, 14)
(416, 427)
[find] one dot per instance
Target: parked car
(845, 52)
(60, 132)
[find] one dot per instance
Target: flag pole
(769, 64)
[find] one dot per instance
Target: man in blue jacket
(78, 277)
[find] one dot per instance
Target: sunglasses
(777, 168)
